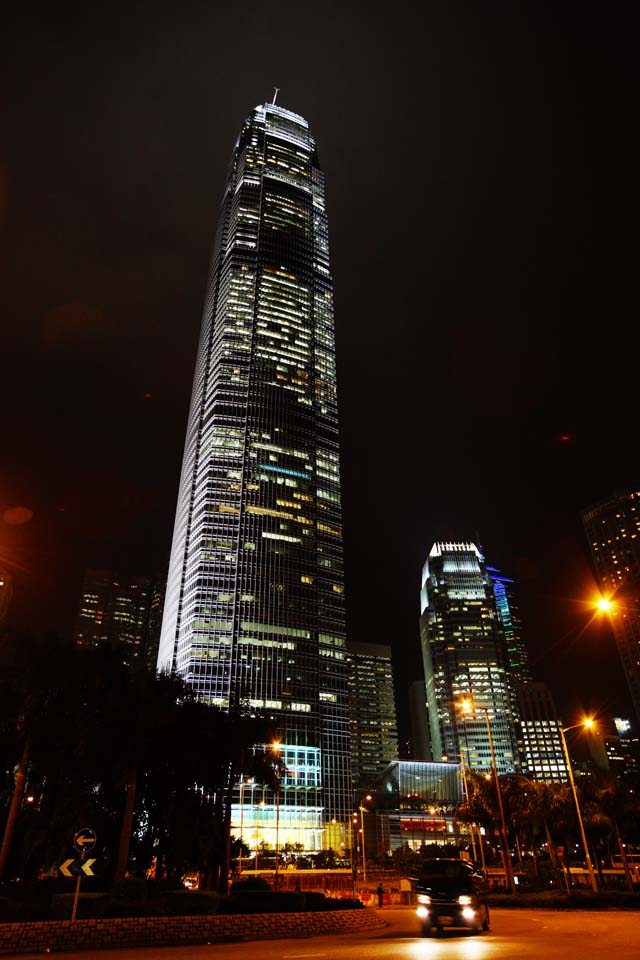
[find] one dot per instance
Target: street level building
(613, 531)
(372, 712)
(464, 658)
(540, 739)
(254, 614)
(119, 611)
(416, 805)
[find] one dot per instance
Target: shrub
(263, 902)
(251, 885)
(130, 888)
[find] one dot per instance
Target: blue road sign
(85, 840)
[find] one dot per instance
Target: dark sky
(483, 221)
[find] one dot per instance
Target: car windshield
(451, 869)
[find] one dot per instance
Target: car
(451, 893)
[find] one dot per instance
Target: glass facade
(540, 738)
(255, 594)
(613, 531)
(120, 611)
(463, 654)
(372, 712)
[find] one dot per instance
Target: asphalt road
(515, 934)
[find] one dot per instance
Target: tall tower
(613, 532)
(464, 655)
(372, 710)
(255, 595)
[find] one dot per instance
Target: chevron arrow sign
(76, 868)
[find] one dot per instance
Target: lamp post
(465, 787)
(275, 746)
(363, 810)
(588, 723)
(467, 706)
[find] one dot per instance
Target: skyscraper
(540, 737)
(516, 653)
(464, 656)
(613, 531)
(120, 611)
(255, 595)
(372, 712)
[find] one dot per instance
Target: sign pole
(77, 893)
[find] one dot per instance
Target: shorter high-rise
(123, 612)
(372, 711)
(540, 735)
(463, 651)
(613, 531)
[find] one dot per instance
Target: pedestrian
(380, 892)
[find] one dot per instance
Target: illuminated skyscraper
(372, 711)
(464, 656)
(119, 611)
(613, 532)
(255, 596)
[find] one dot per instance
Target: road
(515, 935)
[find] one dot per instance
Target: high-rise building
(613, 531)
(516, 653)
(419, 722)
(540, 738)
(372, 712)
(255, 595)
(119, 611)
(464, 657)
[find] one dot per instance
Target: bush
(130, 888)
(90, 905)
(263, 902)
(190, 903)
(251, 885)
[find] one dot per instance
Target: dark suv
(451, 893)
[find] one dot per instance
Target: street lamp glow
(588, 722)
(604, 605)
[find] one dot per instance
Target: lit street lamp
(467, 798)
(467, 706)
(588, 723)
(276, 746)
(363, 810)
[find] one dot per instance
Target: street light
(588, 722)
(363, 810)
(275, 747)
(467, 706)
(465, 785)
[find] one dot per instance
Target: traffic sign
(85, 840)
(76, 868)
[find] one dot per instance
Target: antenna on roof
(276, 91)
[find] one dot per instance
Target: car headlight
(464, 901)
(422, 912)
(423, 898)
(468, 913)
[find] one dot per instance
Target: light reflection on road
(453, 948)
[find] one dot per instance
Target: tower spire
(276, 91)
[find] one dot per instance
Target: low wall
(167, 931)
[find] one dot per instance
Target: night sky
(481, 189)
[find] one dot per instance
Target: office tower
(540, 739)
(516, 653)
(372, 712)
(6, 589)
(118, 611)
(254, 612)
(613, 528)
(419, 722)
(463, 654)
